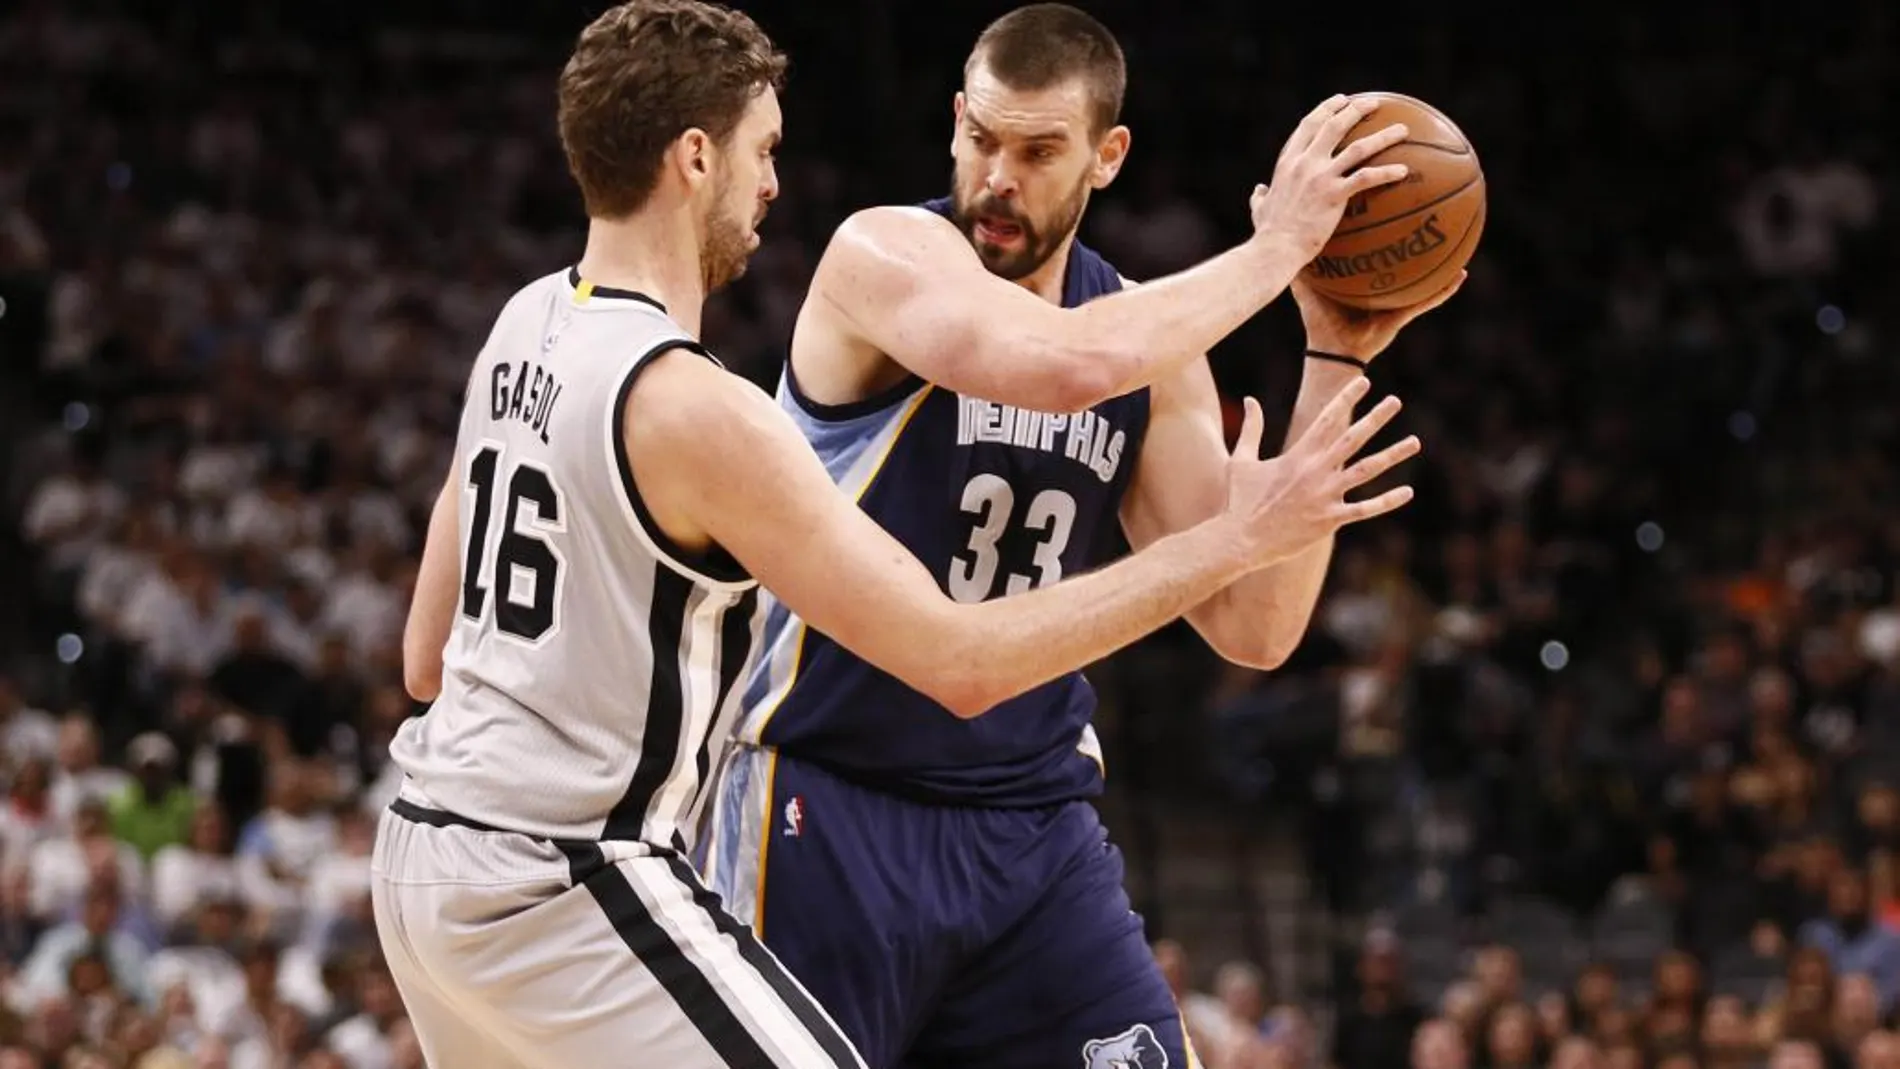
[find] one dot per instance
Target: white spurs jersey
(590, 671)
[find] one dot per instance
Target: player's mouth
(994, 231)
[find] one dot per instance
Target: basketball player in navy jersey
(994, 394)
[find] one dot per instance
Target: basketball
(1401, 243)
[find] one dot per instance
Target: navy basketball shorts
(940, 936)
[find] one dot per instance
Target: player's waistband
(411, 806)
(911, 787)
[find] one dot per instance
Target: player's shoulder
(891, 226)
(682, 391)
(537, 291)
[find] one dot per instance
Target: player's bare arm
(904, 283)
(718, 463)
(432, 606)
(1180, 480)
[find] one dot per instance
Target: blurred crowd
(1596, 746)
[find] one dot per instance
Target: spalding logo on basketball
(1401, 243)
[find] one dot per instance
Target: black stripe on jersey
(832, 1041)
(574, 280)
(677, 973)
(735, 646)
(717, 564)
(665, 708)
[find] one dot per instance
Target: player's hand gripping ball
(1402, 243)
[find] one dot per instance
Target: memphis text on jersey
(519, 393)
(1083, 437)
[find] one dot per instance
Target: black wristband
(1335, 358)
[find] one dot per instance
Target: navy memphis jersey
(994, 500)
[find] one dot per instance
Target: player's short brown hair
(644, 73)
(1042, 45)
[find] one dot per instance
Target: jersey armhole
(849, 410)
(716, 568)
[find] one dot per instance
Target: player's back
(994, 500)
(590, 662)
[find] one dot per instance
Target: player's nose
(1000, 181)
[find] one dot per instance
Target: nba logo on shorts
(1136, 1048)
(795, 817)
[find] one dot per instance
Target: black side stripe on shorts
(830, 1040)
(665, 709)
(677, 974)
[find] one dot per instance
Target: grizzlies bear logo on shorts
(1136, 1048)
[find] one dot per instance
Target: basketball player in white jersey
(588, 596)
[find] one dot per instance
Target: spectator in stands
(1852, 940)
(1879, 1050)
(1375, 1029)
(1439, 1044)
(155, 810)
(100, 930)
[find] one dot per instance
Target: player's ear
(1110, 153)
(956, 118)
(693, 156)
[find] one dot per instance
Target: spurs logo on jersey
(591, 667)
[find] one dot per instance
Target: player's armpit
(432, 607)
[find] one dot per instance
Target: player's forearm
(432, 606)
(1130, 339)
(995, 650)
(1263, 616)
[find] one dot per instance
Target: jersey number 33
(1046, 521)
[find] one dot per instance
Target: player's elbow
(422, 677)
(964, 694)
(1262, 649)
(1070, 375)
(1259, 656)
(962, 698)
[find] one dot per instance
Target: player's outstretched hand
(1314, 177)
(1286, 504)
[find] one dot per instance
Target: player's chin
(1011, 264)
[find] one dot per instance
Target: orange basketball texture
(1401, 243)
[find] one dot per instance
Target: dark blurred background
(1590, 758)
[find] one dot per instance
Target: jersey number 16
(1051, 515)
(527, 564)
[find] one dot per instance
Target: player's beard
(1039, 242)
(727, 246)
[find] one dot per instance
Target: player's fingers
(1373, 177)
(1335, 419)
(1369, 146)
(1252, 426)
(1315, 120)
(1370, 468)
(1361, 432)
(1358, 511)
(1333, 130)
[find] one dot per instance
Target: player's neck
(655, 253)
(1046, 281)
